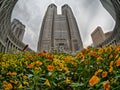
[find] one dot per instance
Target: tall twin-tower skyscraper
(59, 31)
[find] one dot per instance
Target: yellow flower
(104, 74)
(65, 69)
(4, 82)
(67, 81)
(25, 77)
(99, 58)
(106, 85)
(118, 62)
(93, 80)
(36, 68)
(11, 81)
(25, 83)
(47, 83)
(15, 82)
(20, 86)
(38, 63)
(98, 71)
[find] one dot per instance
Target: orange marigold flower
(86, 62)
(8, 86)
(47, 83)
(110, 69)
(30, 65)
(84, 51)
(92, 54)
(111, 56)
(118, 62)
(42, 54)
(111, 63)
(14, 73)
(99, 58)
(106, 85)
(50, 68)
(9, 73)
(50, 57)
(104, 74)
(93, 80)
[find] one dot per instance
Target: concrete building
(59, 31)
(108, 34)
(8, 40)
(113, 7)
(98, 36)
(18, 29)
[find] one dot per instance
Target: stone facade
(59, 31)
(113, 7)
(98, 36)
(108, 34)
(8, 40)
(18, 29)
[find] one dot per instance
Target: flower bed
(91, 69)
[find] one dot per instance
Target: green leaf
(76, 84)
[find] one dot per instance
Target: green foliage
(90, 69)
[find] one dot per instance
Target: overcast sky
(88, 13)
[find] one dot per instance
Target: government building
(59, 31)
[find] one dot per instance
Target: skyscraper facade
(59, 31)
(18, 29)
(98, 36)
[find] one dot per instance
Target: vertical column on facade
(6, 46)
(0, 47)
(3, 49)
(64, 12)
(9, 46)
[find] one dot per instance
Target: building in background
(107, 34)
(113, 7)
(98, 36)
(59, 31)
(18, 29)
